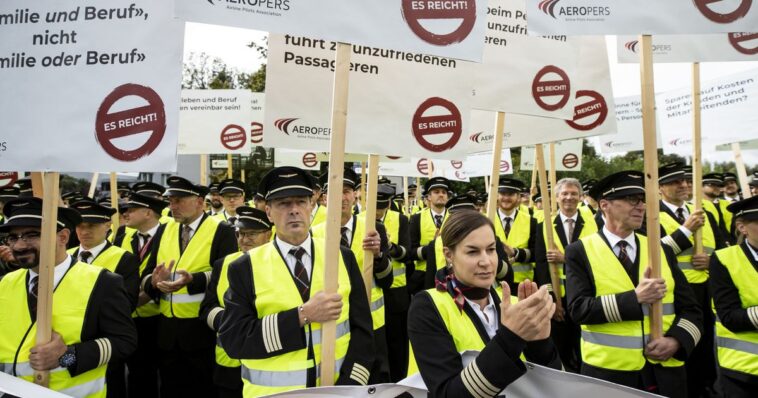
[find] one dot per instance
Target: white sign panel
(92, 90)
(215, 121)
(448, 28)
(568, 156)
(399, 104)
(302, 159)
(692, 48)
(523, 74)
(614, 17)
(480, 164)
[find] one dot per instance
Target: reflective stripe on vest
(222, 359)
(685, 257)
(196, 258)
(739, 351)
(150, 308)
(392, 224)
(619, 345)
(521, 229)
(275, 292)
(70, 300)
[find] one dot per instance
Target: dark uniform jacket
(542, 269)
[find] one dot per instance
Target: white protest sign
(568, 156)
(692, 48)
(744, 146)
(480, 164)
(628, 135)
(302, 159)
(216, 121)
(398, 104)
(523, 74)
(448, 28)
(614, 17)
(728, 113)
(94, 90)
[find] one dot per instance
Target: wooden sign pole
(37, 187)
(651, 176)
(363, 186)
(533, 187)
(370, 187)
(741, 172)
(697, 166)
(47, 263)
(555, 276)
(487, 187)
(93, 185)
(114, 203)
(553, 201)
(497, 151)
(229, 168)
(406, 203)
(333, 196)
(204, 170)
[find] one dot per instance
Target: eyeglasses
(27, 237)
(634, 200)
(251, 234)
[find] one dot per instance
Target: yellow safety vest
(739, 351)
(685, 257)
(275, 292)
(589, 228)
(222, 359)
(620, 345)
(726, 214)
(538, 215)
(319, 217)
(711, 208)
(392, 224)
(151, 307)
(521, 228)
(165, 218)
(196, 258)
(70, 301)
(107, 258)
(429, 232)
(356, 246)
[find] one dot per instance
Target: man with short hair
(609, 291)
(90, 316)
(754, 184)
(588, 200)
(216, 206)
(713, 183)
(424, 227)
(232, 196)
(516, 229)
(731, 188)
(275, 304)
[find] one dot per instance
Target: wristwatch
(68, 359)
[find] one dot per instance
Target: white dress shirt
(752, 251)
(631, 248)
(488, 316)
(193, 226)
(60, 270)
(575, 217)
(290, 259)
(95, 251)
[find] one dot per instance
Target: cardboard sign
(85, 100)
(524, 74)
(692, 48)
(568, 156)
(399, 104)
(447, 28)
(217, 121)
(613, 17)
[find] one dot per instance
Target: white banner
(523, 74)
(448, 28)
(397, 105)
(480, 164)
(302, 159)
(628, 136)
(94, 90)
(744, 145)
(615, 17)
(568, 156)
(216, 121)
(692, 48)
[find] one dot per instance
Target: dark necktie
(145, 239)
(85, 256)
(624, 256)
(680, 215)
(507, 226)
(232, 220)
(570, 229)
(343, 239)
(186, 231)
(438, 221)
(32, 296)
(301, 276)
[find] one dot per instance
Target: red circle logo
(738, 40)
(570, 161)
(256, 133)
(415, 11)
(584, 111)
(123, 123)
(423, 166)
(457, 164)
(233, 137)
(504, 166)
(460, 175)
(8, 178)
(309, 159)
(718, 17)
(425, 124)
(551, 81)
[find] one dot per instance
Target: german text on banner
(568, 156)
(87, 87)
(618, 17)
(399, 104)
(524, 74)
(723, 47)
(217, 121)
(448, 28)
